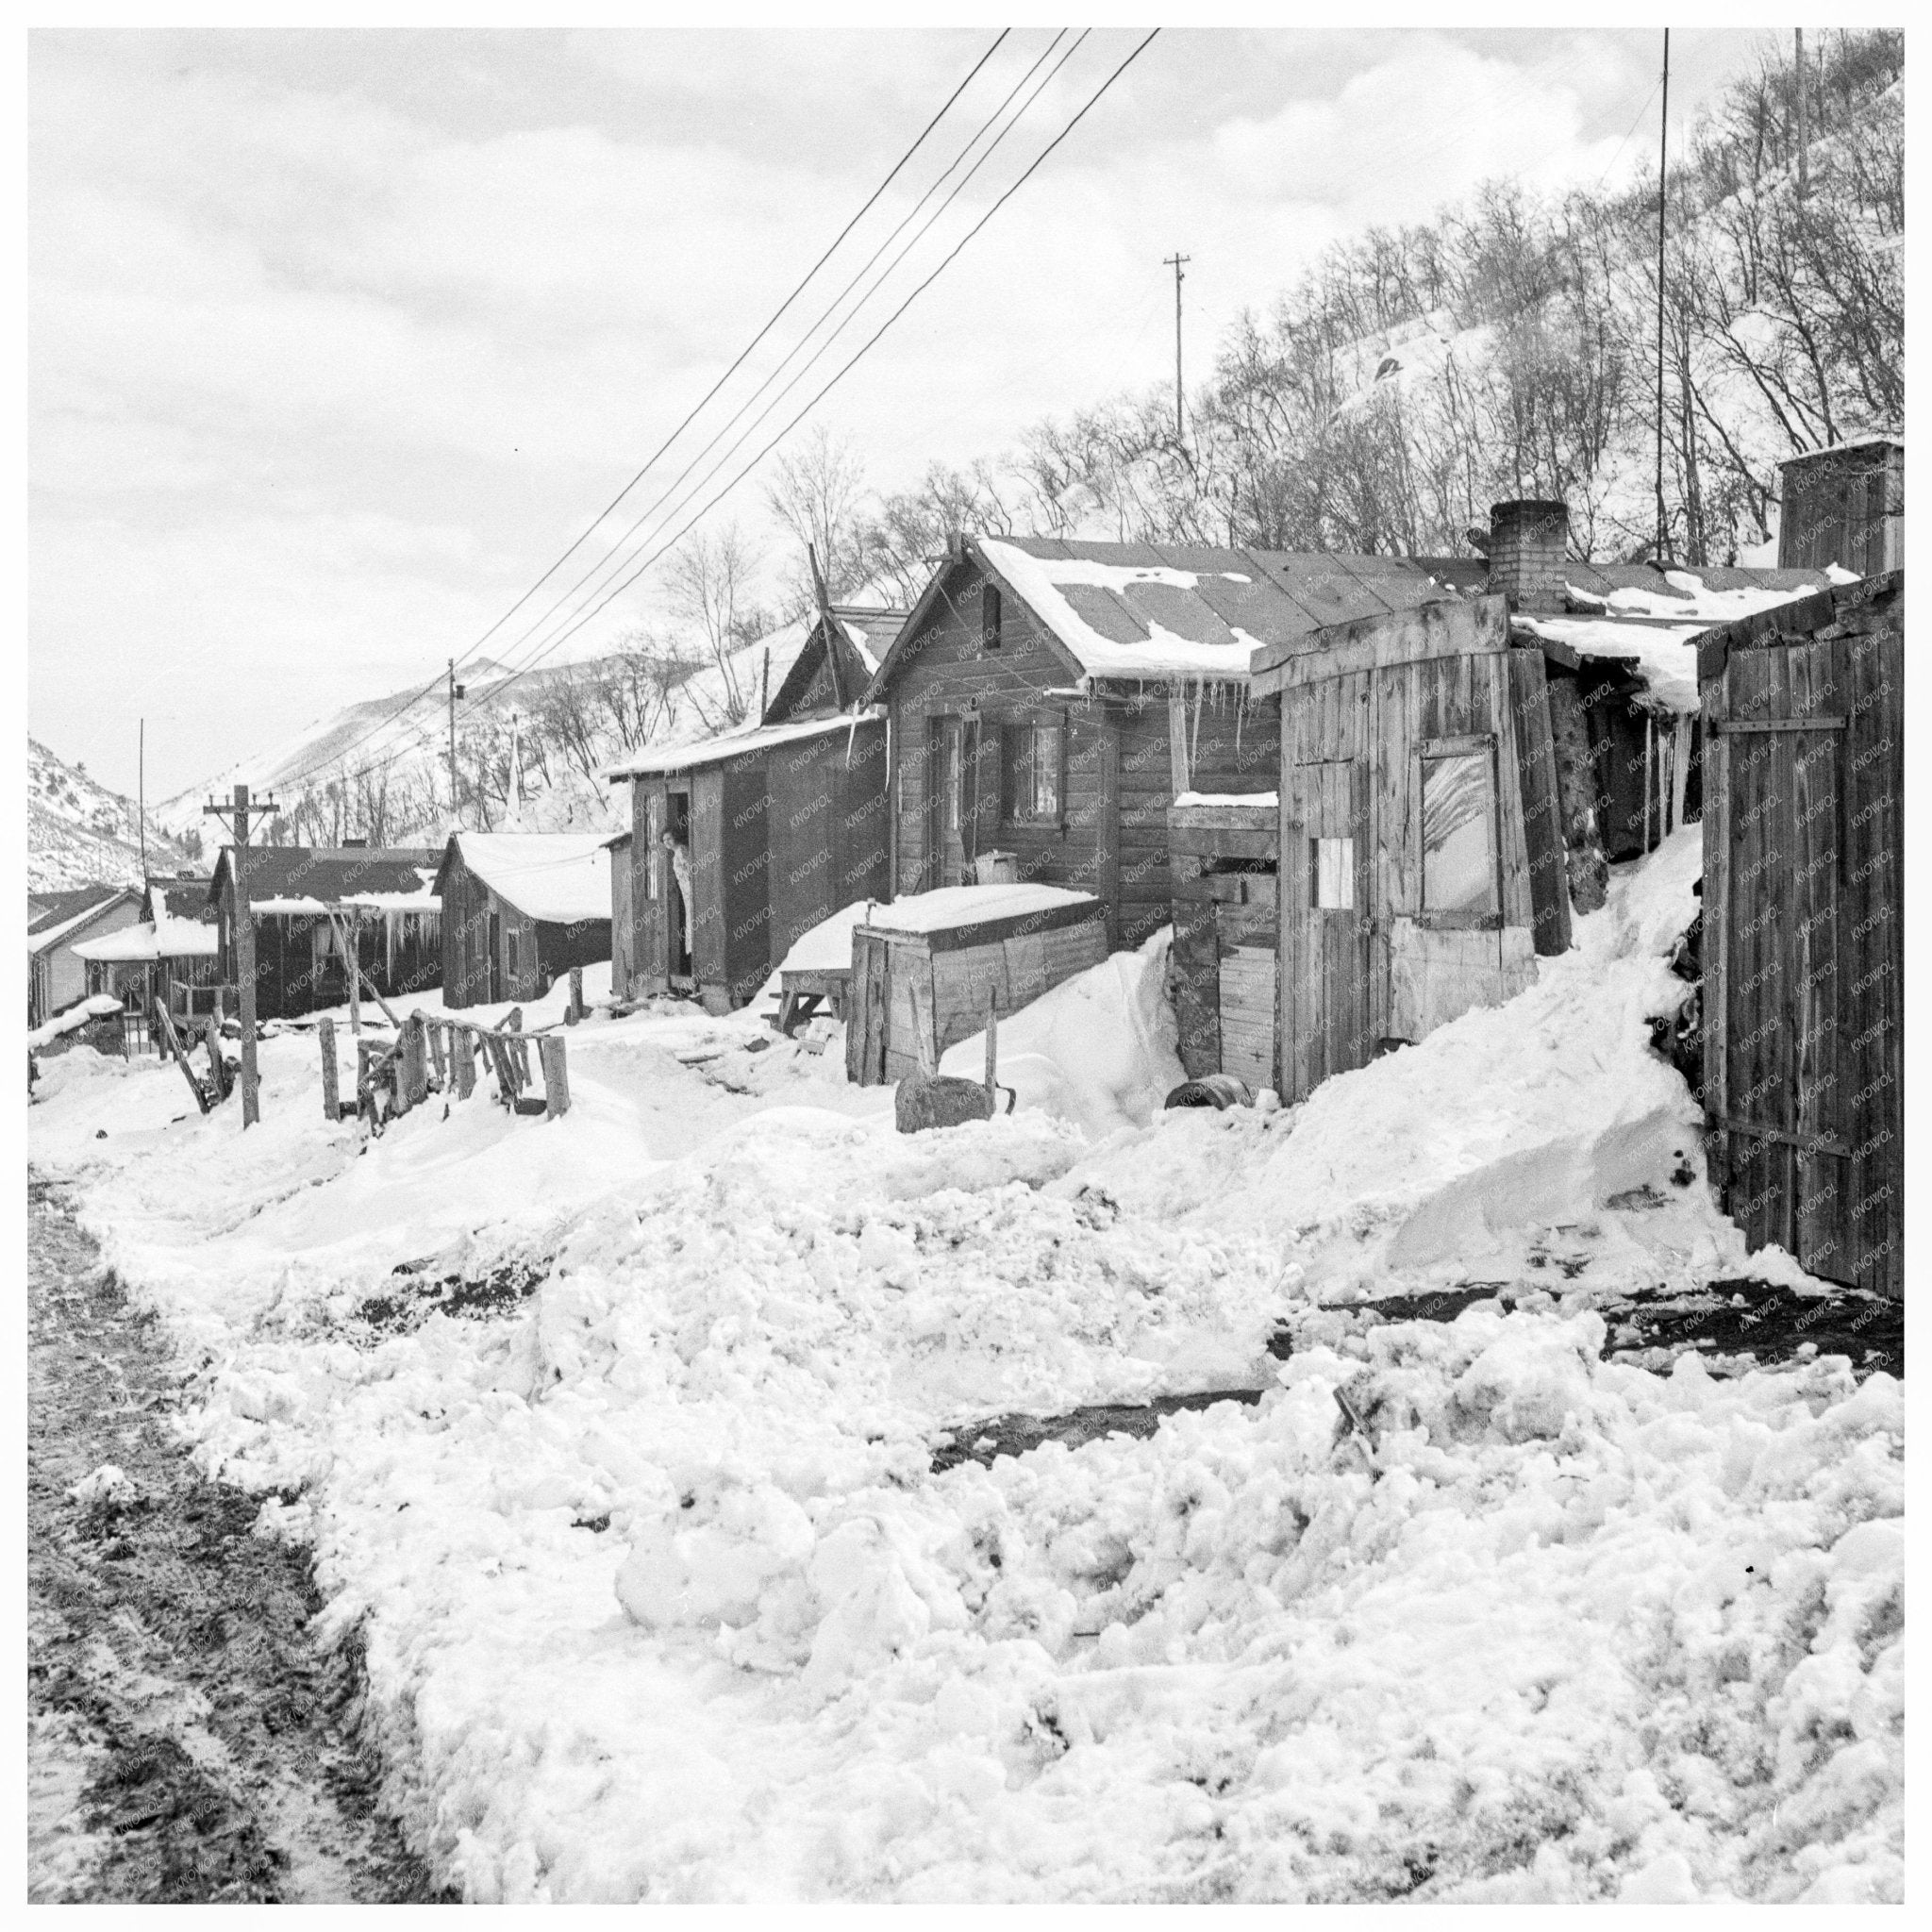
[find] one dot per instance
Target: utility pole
(239, 816)
(1663, 158)
(141, 804)
(1804, 140)
(456, 690)
(1176, 262)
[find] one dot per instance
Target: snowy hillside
(79, 833)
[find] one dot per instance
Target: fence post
(218, 1072)
(556, 1076)
(435, 1054)
(575, 1011)
(462, 1060)
(415, 1061)
(331, 1096)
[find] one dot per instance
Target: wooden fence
(440, 1056)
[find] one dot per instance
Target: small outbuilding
(519, 910)
(1223, 965)
(776, 823)
(1803, 946)
(926, 969)
(1421, 857)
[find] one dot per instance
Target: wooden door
(1784, 1114)
(953, 759)
(1327, 998)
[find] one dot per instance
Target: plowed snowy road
(185, 1739)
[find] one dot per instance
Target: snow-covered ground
(661, 1598)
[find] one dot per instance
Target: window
(1459, 830)
(988, 617)
(1333, 865)
(510, 952)
(1030, 772)
(953, 778)
(654, 846)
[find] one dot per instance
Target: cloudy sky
(340, 337)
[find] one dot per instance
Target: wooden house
(781, 822)
(1802, 945)
(303, 901)
(56, 971)
(1048, 701)
(926, 969)
(519, 910)
(1421, 855)
(170, 957)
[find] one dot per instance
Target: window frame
(1020, 739)
(1346, 841)
(1459, 919)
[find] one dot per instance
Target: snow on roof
(827, 946)
(51, 936)
(96, 1006)
(556, 877)
(951, 906)
(731, 745)
(1655, 630)
(173, 938)
(1143, 611)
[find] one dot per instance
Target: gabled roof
(68, 919)
(864, 636)
(1129, 612)
(556, 878)
(325, 875)
(49, 910)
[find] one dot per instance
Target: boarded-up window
(1460, 831)
(1334, 871)
(988, 617)
(1030, 772)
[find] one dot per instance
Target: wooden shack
(519, 910)
(1420, 858)
(1845, 505)
(306, 901)
(1223, 966)
(782, 821)
(171, 957)
(1051, 699)
(926, 968)
(1804, 945)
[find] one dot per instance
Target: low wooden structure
(1845, 505)
(307, 903)
(519, 910)
(1420, 858)
(926, 970)
(1804, 946)
(432, 1055)
(1223, 966)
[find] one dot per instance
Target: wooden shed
(519, 910)
(926, 968)
(304, 900)
(1050, 699)
(1845, 506)
(1804, 944)
(1422, 863)
(1223, 965)
(783, 821)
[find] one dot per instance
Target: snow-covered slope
(79, 833)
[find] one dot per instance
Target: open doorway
(678, 909)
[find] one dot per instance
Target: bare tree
(711, 578)
(821, 498)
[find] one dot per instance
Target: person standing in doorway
(681, 871)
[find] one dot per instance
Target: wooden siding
(1803, 946)
(1352, 748)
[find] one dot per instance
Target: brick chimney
(1528, 542)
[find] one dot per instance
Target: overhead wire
(863, 350)
(614, 560)
(897, 168)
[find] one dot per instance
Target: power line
(738, 363)
(863, 349)
(613, 559)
